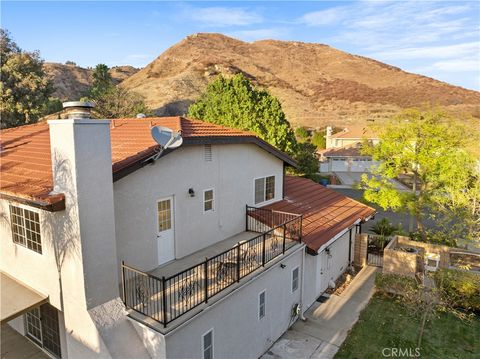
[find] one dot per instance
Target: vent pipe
(78, 109)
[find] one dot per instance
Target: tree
(302, 133)
(434, 151)
(102, 81)
(234, 102)
(118, 102)
(318, 139)
(24, 86)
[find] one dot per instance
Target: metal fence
(166, 299)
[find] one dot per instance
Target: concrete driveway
(351, 179)
(327, 324)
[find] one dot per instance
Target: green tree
(432, 149)
(25, 88)
(102, 81)
(236, 103)
(302, 133)
(118, 102)
(318, 139)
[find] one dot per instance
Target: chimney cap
(78, 104)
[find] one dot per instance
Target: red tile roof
(325, 212)
(355, 132)
(347, 151)
(26, 166)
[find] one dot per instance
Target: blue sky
(440, 39)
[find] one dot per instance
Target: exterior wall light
(191, 192)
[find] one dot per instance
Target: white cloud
(324, 17)
(429, 52)
(223, 16)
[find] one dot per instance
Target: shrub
(459, 289)
(396, 284)
(385, 228)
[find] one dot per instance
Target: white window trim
(40, 220)
(213, 344)
(264, 304)
(213, 200)
(265, 187)
(298, 279)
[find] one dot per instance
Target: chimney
(82, 170)
(328, 137)
(78, 109)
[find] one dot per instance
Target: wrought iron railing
(167, 298)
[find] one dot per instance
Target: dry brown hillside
(316, 83)
(72, 82)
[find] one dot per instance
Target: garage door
(360, 165)
(339, 165)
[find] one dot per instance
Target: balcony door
(165, 230)
(41, 325)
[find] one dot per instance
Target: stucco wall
(38, 271)
(231, 173)
(236, 316)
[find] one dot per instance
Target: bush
(395, 284)
(434, 237)
(459, 289)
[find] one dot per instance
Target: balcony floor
(178, 265)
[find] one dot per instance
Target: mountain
(72, 82)
(316, 83)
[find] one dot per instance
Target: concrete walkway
(327, 324)
(16, 346)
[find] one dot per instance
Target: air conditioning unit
(432, 261)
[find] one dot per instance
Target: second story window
(26, 228)
(208, 200)
(264, 189)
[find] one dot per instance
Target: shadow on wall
(174, 108)
(63, 226)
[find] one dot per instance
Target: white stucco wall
(231, 174)
(39, 271)
(238, 332)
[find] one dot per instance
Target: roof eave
(55, 205)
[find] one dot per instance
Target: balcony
(169, 292)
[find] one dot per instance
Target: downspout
(302, 317)
(350, 248)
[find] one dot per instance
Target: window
(208, 201)
(26, 228)
(264, 189)
(261, 305)
(295, 279)
(208, 345)
(164, 215)
(208, 153)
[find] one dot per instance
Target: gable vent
(208, 153)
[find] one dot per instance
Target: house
(111, 249)
(343, 150)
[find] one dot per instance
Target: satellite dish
(166, 138)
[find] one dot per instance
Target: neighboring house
(208, 251)
(343, 150)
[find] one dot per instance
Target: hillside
(316, 83)
(72, 82)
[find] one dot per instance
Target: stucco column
(85, 234)
(360, 250)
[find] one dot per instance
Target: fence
(166, 299)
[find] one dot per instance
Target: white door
(165, 230)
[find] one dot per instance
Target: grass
(387, 323)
